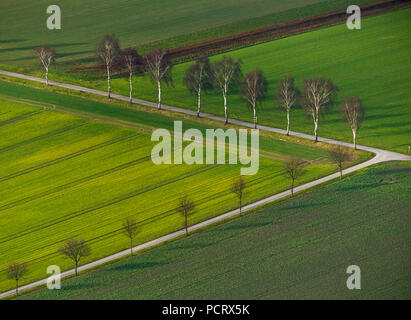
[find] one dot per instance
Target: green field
(70, 176)
(146, 24)
(373, 62)
(296, 249)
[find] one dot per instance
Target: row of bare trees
(317, 98)
(225, 75)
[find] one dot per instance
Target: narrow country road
(380, 156)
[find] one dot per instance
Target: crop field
(146, 24)
(295, 249)
(71, 176)
(372, 62)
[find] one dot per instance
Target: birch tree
(353, 112)
(131, 61)
(186, 208)
(293, 169)
(108, 51)
(197, 79)
(47, 57)
(226, 73)
(130, 229)
(159, 68)
(238, 189)
(286, 97)
(318, 98)
(16, 271)
(254, 88)
(339, 156)
(75, 250)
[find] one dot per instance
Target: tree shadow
(246, 226)
(183, 245)
(303, 205)
(136, 266)
(77, 286)
(358, 187)
(57, 45)
(11, 41)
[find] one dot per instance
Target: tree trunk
(131, 87)
(225, 107)
(76, 268)
(288, 123)
(108, 83)
(131, 246)
(341, 169)
(354, 134)
(47, 76)
(17, 287)
(240, 204)
(159, 94)
(186, 224)
(199, 101)
(292, 187)
(255, 117)
(315, 130)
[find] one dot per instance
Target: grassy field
(295, 249)
(373, 63)
(70, 176)
(146, 24)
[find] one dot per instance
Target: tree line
(225, 75)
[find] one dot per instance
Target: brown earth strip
(269, 33)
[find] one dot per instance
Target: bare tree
(293, 168)
(286, 97)
(159, 67)
(75, 250)
(318, 97)
(108, 51)
(186, 208)
(130, 229)
(47, 57)
(353, 112)
(339, 155)
(226, 73)
(254, 88)
(197, 79)
(16, 271)
(238, 189)
(132, 62)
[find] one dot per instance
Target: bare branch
(75, 250)
(353, 112)
(186, 208)
(47, 56)
(254, 87)
(286, 97)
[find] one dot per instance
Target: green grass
(295, 249)
(146, 24)
(70, 176)
(372, 62)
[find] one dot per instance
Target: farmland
(145, 24)
(70, 176)
(373, 63)
(295, 249)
